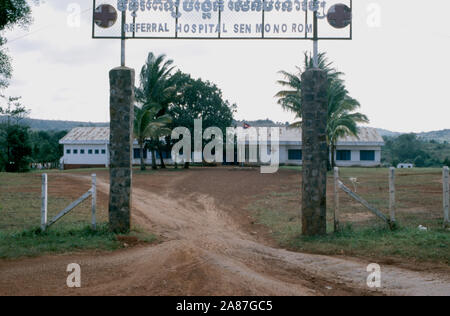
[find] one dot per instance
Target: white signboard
(222, 19)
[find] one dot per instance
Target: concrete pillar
(315, 153)
(121, 143)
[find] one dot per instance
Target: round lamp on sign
(339, 16)
(105, 16)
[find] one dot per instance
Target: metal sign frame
(262, 37)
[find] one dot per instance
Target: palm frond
(342, 118)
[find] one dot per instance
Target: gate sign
(222, 19)
(339, 16)
(105, 16)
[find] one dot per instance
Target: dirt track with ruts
(209, 246)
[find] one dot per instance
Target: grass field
(419, 202)
(20, 203)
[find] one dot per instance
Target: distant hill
(438, 136)
(47, 125)
(261, 123)
(385, 132)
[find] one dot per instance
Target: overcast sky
(398, 68)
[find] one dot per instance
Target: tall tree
(13, 110)
(200, 99)
(156, 85)
(19, 146)
(46, 147)
(342, 118)
(156, 90)
(148, 126)
(12, 12)
(10, 132)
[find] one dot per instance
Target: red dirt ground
(209, 246)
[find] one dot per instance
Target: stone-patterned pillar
(121, 147)
(315, 153)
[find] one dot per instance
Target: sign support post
(315, 41)
(122, 41)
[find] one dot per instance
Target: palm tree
(156, 90)
(156, 85)
(290, 99)
(148, 126)
(342, 120)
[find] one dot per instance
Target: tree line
(167, 98)
(20, 146)
(409, 148)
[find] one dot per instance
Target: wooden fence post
(446, 196)
(336, 199)
(44, 202)
(94, 201)
(392, 194)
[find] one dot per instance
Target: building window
(137, 153)
(167, 154)
(75, 151)
(90, 151)
(97, 151)
(343, 155)
(295, 154)
(367, 155)
(68, 151)
(82, 151)
(103, 151)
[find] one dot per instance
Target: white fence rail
(44, 204)
(359, 199)
(392, 194)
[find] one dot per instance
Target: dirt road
(209, 247)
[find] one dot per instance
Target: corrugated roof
(365, 135)
(87, 135)
(100, 135)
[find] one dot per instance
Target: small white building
(86, 147)
(89, 147)
(351, 151)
